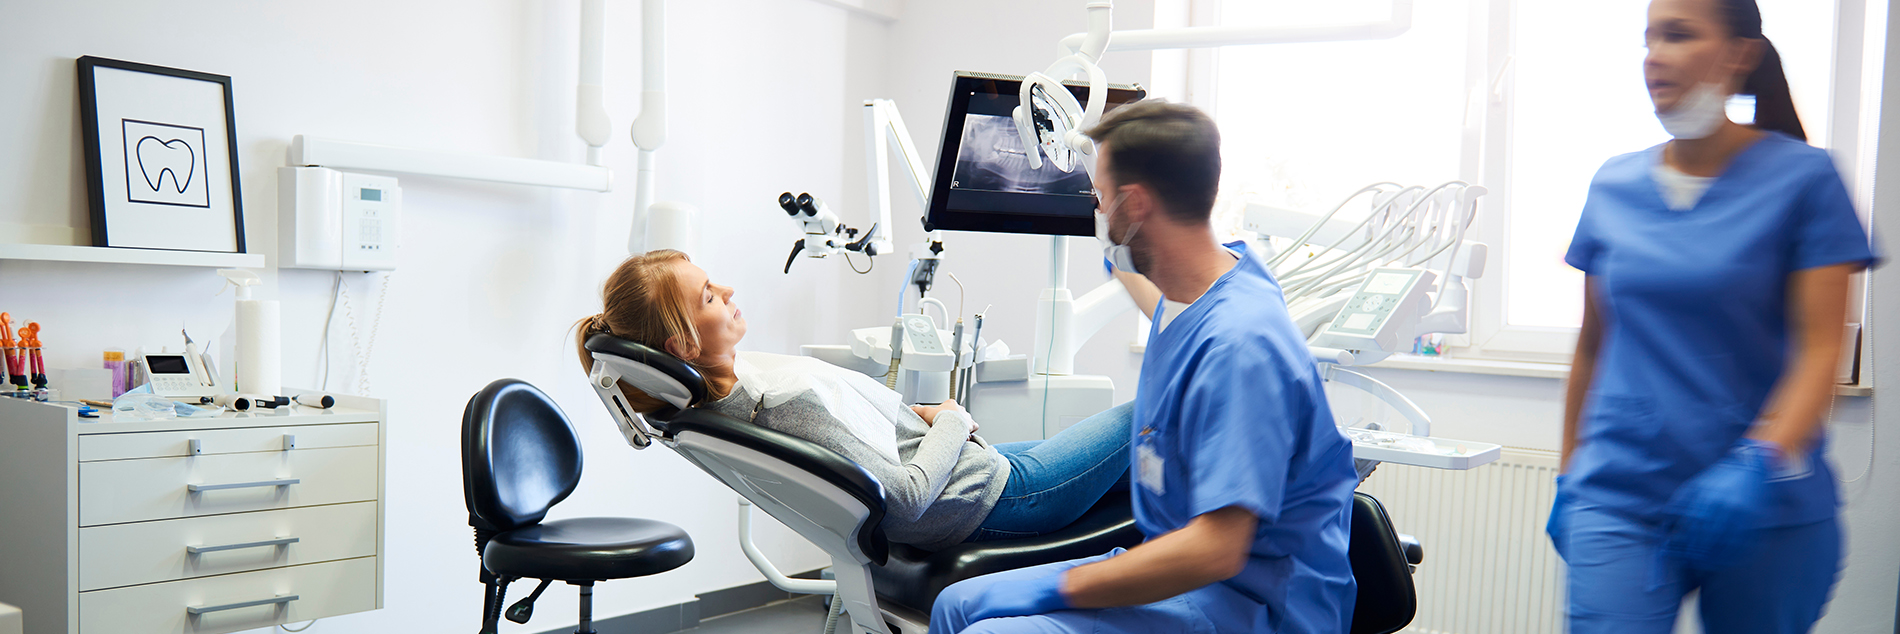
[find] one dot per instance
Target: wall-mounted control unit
(1382, 316)
(335, 220)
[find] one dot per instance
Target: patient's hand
(929, 413)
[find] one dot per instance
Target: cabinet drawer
(161, 488)
(220, 441)
(147, 552)
(321, 590)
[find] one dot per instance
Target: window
(1525, 97)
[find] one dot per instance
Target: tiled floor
(804, 615)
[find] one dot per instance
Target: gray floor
(803, 615)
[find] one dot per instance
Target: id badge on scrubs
(1148, 465)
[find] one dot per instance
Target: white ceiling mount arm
(884, 132)
(1398, 23)
(1095, 42)
(590, 117)
(649, 129)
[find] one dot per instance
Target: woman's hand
(929, 413)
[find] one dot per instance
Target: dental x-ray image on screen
(984, 181)
(993, 159)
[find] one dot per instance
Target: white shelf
(113, 255)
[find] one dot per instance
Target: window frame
(1486, 158)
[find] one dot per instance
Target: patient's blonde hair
(642, 302)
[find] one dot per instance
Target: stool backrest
(520, 456)
(1387, 600)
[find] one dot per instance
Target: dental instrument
(824, 234)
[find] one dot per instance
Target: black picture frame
(956, 208)
(187, 215)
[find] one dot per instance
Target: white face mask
(1120, 255)
(1699, 113)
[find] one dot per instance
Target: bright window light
(1580, 100)
(1304, 125)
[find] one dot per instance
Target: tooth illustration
(158, 157)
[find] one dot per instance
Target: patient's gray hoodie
(939, 481)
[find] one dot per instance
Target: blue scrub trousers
(1618, 585)
(1184, 614)
(1052, 482)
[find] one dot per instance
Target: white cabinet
(190, 526)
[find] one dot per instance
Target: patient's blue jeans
(1052, 482)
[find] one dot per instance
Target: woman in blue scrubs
(1718, 271)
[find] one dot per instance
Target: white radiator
(1489, 569)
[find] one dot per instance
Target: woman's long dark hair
(1774, 104)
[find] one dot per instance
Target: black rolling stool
(1382, 562)
(520, 457)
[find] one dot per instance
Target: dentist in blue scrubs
(1240, 481)
(1718, 269)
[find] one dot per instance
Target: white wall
(765, 96)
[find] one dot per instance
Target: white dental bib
(849, 396)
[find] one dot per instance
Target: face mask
(1120, 255)
(1699, 113)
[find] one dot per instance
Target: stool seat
(914, 577)
(588, 549)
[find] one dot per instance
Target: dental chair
(885, 587)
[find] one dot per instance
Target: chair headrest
(652, 371)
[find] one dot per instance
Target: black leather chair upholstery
(1382, 564)
(520, 457)
(914, 577)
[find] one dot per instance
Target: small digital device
(337, 221)
(984, 181)
(178, 375)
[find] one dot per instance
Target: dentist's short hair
(1173, 149)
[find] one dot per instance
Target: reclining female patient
(942, 484)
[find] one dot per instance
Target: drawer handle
(197, 488)
(195, 611)
(199, 550)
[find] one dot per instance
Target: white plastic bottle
(259, 337)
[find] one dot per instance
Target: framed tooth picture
(161, 157)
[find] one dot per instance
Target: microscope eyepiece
(789, 203)
(809, 204)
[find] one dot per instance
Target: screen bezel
(941, 217)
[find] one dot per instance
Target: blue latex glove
(1717, 515)
(1041, 595)
(1559, 514)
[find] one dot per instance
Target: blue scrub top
(1232, 404)
(1695, 318)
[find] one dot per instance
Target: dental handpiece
(897, 352)
(969, 377)
(956, 365)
